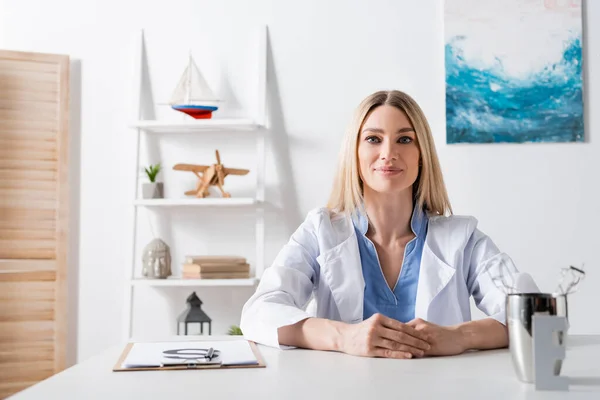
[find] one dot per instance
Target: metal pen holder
(521, 309)
(537, 322)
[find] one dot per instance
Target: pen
(209, 354)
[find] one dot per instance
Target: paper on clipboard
(159, 354)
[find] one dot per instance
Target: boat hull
(197, 112)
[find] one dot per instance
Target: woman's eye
(405, 139)
(372, 139)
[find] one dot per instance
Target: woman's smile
(388, 171)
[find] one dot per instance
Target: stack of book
(215, 267)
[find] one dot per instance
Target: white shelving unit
(254, 126)
(194, 282)
(198, 126)
(206, 202)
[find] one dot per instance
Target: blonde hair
(429, 189)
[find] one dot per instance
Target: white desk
(307, 375)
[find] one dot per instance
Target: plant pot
(152, 190)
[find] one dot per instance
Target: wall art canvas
(513, 71)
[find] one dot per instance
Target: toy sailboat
(192, 95)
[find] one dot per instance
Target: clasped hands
(380, 336)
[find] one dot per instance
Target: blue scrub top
(398, 303)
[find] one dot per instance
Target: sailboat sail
(193, 89)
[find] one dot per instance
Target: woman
(389, 266)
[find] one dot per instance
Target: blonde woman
(390, 268)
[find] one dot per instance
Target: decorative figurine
(211, 175)
(193, 96)
(194, 314)
(156, 260)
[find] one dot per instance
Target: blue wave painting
(488, 103)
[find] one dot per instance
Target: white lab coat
(321, 261)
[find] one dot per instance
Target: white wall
(538, 202)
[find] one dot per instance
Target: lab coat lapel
(342, 270)
(434, 276)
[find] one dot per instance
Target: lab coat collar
(418, 221)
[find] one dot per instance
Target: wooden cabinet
(34, 191)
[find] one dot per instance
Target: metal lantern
(156, 260)
(194, 314)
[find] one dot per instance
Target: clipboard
(118, 367)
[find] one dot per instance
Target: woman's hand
(445, 341)
(380, 336)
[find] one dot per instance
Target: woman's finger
(396, 325)
(404, 338)
(396, 346)
(388, 353)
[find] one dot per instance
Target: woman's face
(388, 153)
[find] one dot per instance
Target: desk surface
(308, 374)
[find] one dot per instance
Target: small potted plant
(235, 330)
(153, 189)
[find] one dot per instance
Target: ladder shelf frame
(257, 126)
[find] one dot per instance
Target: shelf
(178, 282)
(196, 202)
(197, 126)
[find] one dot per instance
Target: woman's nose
(388, 151)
